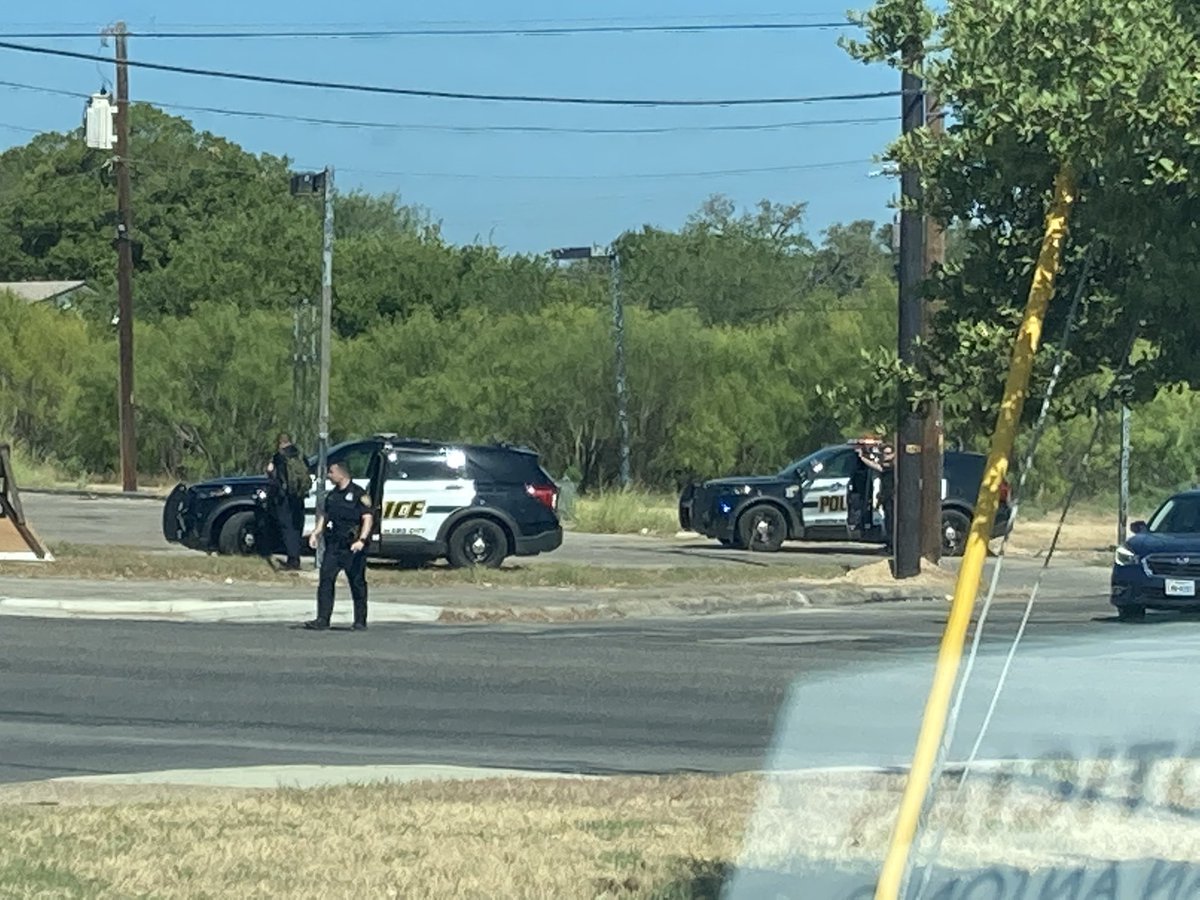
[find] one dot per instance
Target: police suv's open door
(826, 493)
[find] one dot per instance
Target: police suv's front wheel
(762, 529)
(477, 542)
(239, 535)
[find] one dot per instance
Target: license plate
(1180, 588)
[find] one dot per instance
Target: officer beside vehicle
(289, 487)
(883, 461)
(344, 522)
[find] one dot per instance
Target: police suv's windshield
(804, 466)
(1179, 515)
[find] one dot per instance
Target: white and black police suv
(829, 495)
(474, 505)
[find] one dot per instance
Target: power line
(449, 95)
(472, 129)
(712, 173)
(521, 31)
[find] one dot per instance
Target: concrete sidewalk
(230, 601)
(199, 601)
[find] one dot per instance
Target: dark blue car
(1159, 566)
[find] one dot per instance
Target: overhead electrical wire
(450, 95)
(461, 31)
(471, 129)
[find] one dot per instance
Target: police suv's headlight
(211, 493)
(742, 489)
(1125, 557)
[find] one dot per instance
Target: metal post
(326, 336)
(618, 310)
(125, 413)
(907, 533)
(1123, 502)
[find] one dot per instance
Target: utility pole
(618, 312)
(1123, 489)
(326, 339)
(124, 244)
(310, 184)
(907, 527)
(932, 431)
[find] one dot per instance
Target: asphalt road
(114, 521)
(712, 694)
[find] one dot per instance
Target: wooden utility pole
(907, 527)
(932, 432)
(124, 244)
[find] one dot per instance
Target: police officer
(289, 486)
(345, 521)
(885, 465)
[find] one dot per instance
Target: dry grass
(656, 838)
(1027, 815)
(1083, 533)
(634, 837)
(130, 563)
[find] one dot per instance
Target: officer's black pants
(342, 559)
(289, 517)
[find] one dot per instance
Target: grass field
(639, 838)
(130, 563)
(661, 838)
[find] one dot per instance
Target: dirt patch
(1082, 534)
(880, 573)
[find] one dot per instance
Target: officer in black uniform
(345, 522)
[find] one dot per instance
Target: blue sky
(523, 191)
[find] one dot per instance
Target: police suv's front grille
(1172, 566)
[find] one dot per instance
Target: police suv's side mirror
(1138, 527)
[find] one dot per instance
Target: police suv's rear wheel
(477, 542)
(955, 526)
(239, 536)
(762, 529)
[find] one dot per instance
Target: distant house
(58, 293)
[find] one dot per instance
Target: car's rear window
(504, 466)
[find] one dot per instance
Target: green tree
(1103, 87)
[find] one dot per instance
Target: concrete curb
(710, 605)
(248, 611)
(85, 494)
(605, 605)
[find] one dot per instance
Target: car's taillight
(1005, 492)
(545, 494)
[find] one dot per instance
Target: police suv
(829, 495)
(474, 505)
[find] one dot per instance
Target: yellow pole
(937, 706)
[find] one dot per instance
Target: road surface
(816, 687)
(116, 521)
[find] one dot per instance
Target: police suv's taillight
(1005, 491)
(545, 494)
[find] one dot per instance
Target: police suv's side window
(422, 467)
(355, 459)
(842, 464)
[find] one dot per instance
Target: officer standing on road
(290, 484)
(345, 524)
